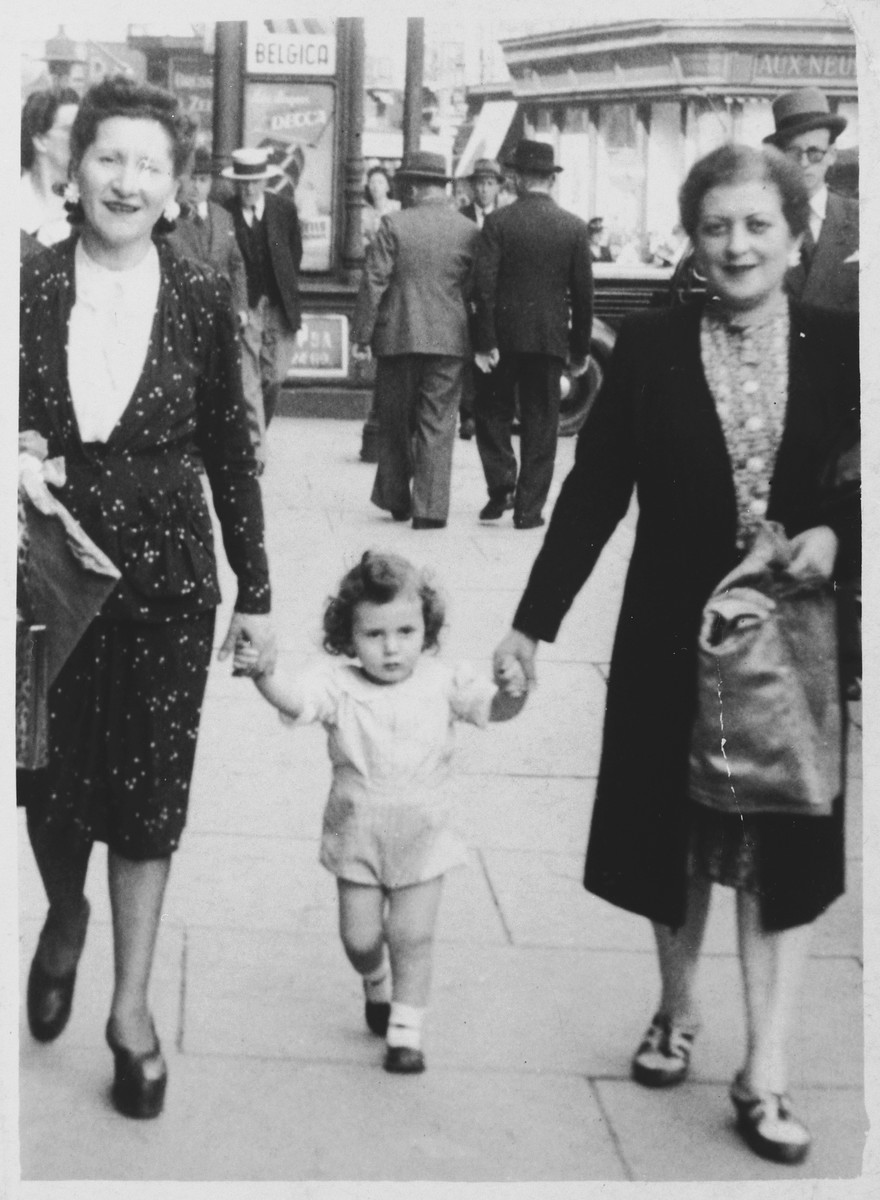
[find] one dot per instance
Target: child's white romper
(387, 817)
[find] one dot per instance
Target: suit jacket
(140, 495)
(213, 243)
(285, 249)
(654, 427)
(831, 282)
(534, 280)
(413, 292)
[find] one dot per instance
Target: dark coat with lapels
(833, 277)
(654, 428)
(533, 280)
(284, 240)
(140, 495)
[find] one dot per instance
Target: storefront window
(297, 122)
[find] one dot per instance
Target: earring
(73, 205)
(167, 223)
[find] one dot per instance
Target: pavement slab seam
(494, 895)
(615, 1140)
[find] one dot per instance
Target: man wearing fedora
(268, 234)
(828, 273)
(412, 312)
(534, 312)
(485, 180)
(205, 233)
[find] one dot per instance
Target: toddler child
(390, 720)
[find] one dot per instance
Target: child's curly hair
(379, 578)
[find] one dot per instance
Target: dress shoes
(50, 997)
(528, 522)
(467, 429)
(497, 507)
(139, 1080)
(428, 523)
(401, 514)
(404, 1060)
(376, 1014)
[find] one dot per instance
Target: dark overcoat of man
(534, 304)
(412, 312)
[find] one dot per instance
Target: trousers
(417, 398)
(535, 380)
(267, 346)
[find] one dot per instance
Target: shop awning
(487, 135)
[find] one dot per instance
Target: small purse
(767, 734)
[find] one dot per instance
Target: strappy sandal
(664, 1057)
(767, 1124)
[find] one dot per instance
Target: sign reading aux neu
(808, 68)
(271, 53)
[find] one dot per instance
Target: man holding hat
(412, 311)
(828, 273)
(534, 301)
(268, 234)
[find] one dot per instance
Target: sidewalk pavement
(541, 992)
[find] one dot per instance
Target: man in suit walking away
(412, 312)
(485, 180)
(534, 312)
(268, 234)
(828, 273)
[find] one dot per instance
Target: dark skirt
(123, 720)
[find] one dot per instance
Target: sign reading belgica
(286, 51)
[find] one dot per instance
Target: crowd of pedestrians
(155, 339)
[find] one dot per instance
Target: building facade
(630, 106)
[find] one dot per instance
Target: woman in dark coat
(130, 371)
(719, 414)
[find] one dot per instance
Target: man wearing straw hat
(268, 233)
(534, 300)
(828, 272)
(412, 312)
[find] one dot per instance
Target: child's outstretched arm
(280, 692)
(512, 691)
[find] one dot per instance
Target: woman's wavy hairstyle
(121, 97)
(377, 579)
(733, 163)
(38, 117)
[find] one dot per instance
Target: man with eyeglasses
(827, 276)
(828, 273)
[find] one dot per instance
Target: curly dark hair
(378, 579)
(733, 163)
(121, 97)
(38, 117)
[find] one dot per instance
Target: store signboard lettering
(270, 52)
(321, 347)
(808, 68)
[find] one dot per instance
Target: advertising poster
(296, 121)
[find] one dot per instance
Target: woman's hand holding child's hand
(511, 678)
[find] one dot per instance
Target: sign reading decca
(270, 52)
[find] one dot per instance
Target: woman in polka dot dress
(130, 371)
(718, 414)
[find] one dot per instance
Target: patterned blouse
(745, 360)
(139, 495)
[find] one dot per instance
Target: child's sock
(377, 985)
(405, 1026)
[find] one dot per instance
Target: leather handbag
(767, 735)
